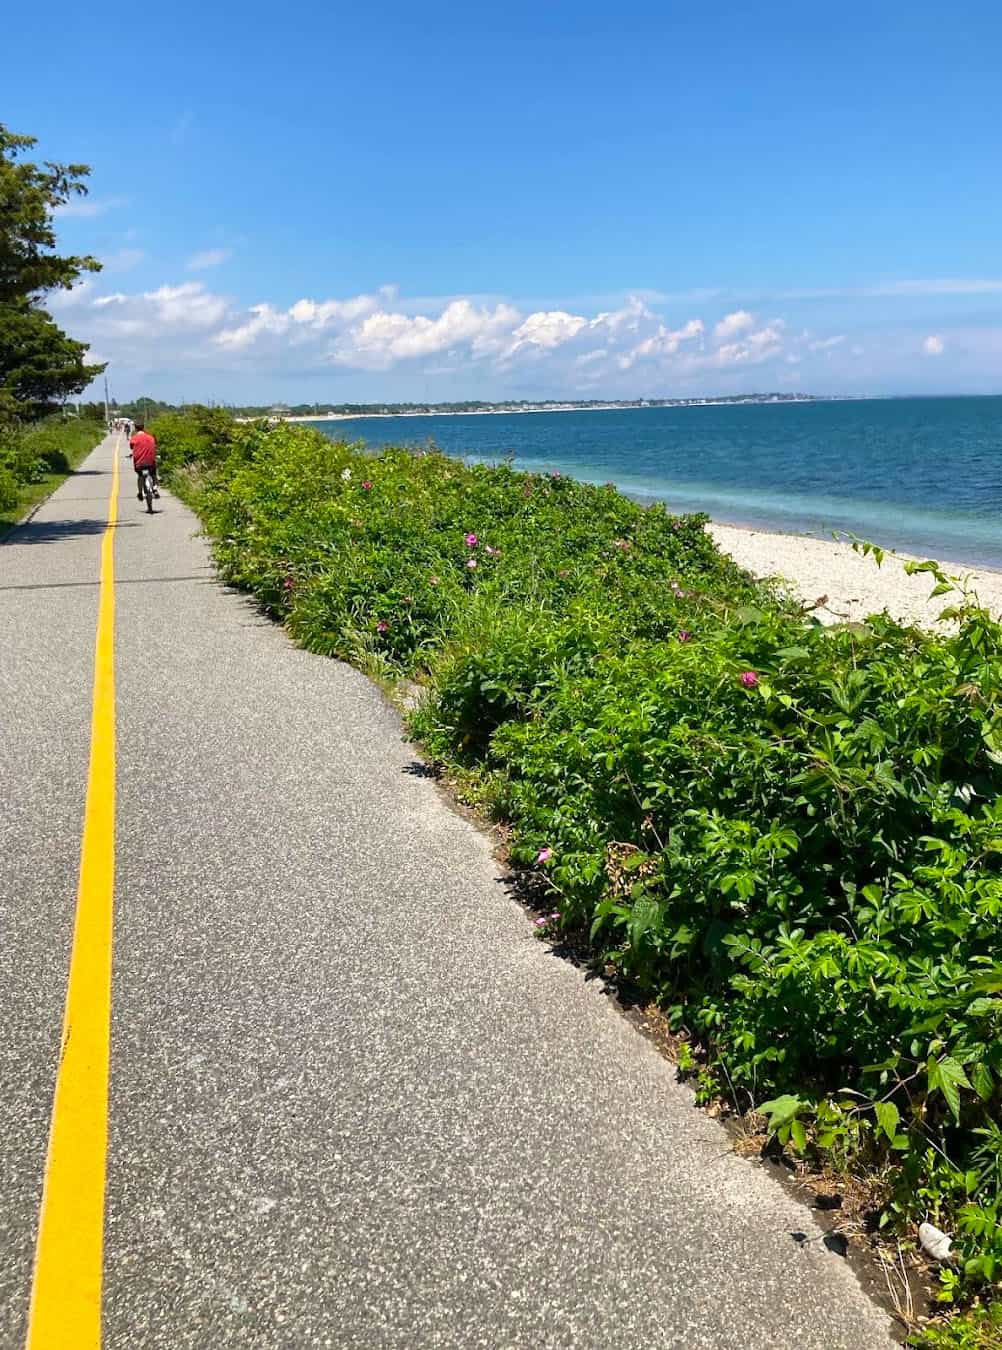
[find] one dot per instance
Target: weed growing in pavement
(789, 836)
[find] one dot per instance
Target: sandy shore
(854, 585)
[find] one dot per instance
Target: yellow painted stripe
(66, 1293)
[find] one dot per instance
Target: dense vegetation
(34, 456)
(40, 366)
(788, 836)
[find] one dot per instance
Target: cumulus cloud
(754, 349)
(382, 339)
(380, 332)
(732, 324)
(634, 348)
(664, 342)
(207, 257)
(189, 305)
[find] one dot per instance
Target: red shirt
(144, 449)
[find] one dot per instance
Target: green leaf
(948, 1077)
(799, 1135)
(888, 1117)
(781, 1110)
(982, 1080)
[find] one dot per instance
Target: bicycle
(146, 482)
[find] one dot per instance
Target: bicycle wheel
(148, 491)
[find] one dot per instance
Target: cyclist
(143, 452)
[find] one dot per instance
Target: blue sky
(440, 201)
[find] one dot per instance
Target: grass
(74, 441)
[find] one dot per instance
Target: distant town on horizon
(413, 408)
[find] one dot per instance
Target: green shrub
(979, 1329)
(29, 453)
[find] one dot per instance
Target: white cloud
(732, 324)
(546, 329)
(944, 286)
(72, 298)
(187, 305)
(891, 289)
(754, 349)
(207, 257)
(88, 207)
(382, 340)
(664, 342)
(300, 323)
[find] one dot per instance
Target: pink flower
(367, 486)
(544, 855)
(540, 922)
(749, 679)
(684, 635)
(555, 916)
(471, 562)
(382, 626)
(555, 473)
(471, 541)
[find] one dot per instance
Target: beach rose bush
(786, 835)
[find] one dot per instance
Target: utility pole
(107, 415)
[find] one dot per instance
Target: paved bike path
(354, 1102)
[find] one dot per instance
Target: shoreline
(320, 418)
(854, 586)
(850, 585)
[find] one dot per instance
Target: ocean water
(923, 475)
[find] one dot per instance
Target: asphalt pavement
(354, 1101)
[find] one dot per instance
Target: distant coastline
(488, 409)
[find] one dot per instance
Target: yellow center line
(66, 1292)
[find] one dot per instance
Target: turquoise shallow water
(922, 474)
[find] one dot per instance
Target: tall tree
(39, 364)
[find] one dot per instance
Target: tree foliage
(39, 364)
(29, 194)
